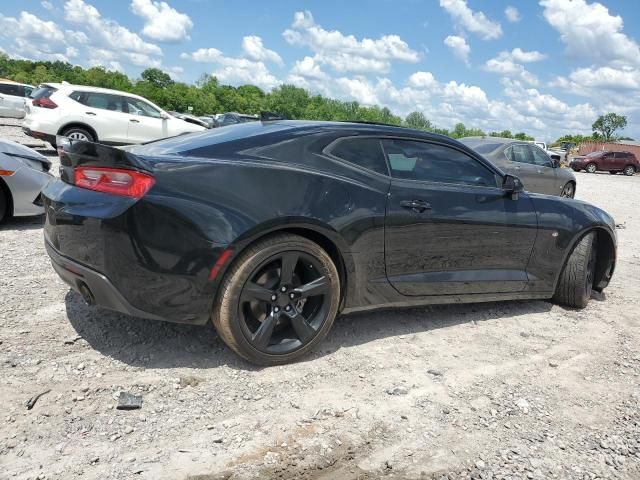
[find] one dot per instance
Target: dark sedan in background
(539, 172)
(270, 229)
(612, 162)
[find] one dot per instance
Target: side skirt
(451, 299)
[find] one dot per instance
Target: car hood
(16, 150)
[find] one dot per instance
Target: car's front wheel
(278, 300)
(77, 133)
(591, 168)
(576, 280)
(629, 170)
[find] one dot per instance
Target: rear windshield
(42, 91)
(486, 147)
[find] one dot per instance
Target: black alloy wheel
(278, 300)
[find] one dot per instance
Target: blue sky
(548, 67)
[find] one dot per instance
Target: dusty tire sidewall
(80, 130)
(225, 312)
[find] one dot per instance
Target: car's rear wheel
(77, 133)
(591, 168)
(576, 280)
(568, 191)
(278, 300)
(629, 170)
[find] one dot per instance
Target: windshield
(42, 91)
(486, 147)
(595, 154)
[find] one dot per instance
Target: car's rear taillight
(44, 102)
(116, 181)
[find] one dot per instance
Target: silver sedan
(23, 174)
(538, 172)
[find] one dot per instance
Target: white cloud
(345, 53)
(589, 31)
(520, 55)
(459, 47)
(30, 37)
(422, 80)
(474, 22)
(235, 71)
(161, 21)
(512, 14)
(46, 5)
(105, 33)
(254, 49)
(308, 68)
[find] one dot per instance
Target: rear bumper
(39, 135)
(95, 288)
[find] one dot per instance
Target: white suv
(98, 115)
(12, 98)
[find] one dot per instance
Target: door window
(11, 89)
(540, 158)
(139, 107)
(519, 154)
(364, 152)
(102, 101)
(432, 162)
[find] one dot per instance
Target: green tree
(607, 125)
(418, 121)
(156, 77)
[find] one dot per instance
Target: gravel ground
(511, 390)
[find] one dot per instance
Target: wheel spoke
(289, 262)
(265, 330)
(319, 286)
(302, 328)
(253, 291)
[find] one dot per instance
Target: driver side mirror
(512, 185)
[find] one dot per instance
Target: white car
(23, 173)
(98, 115)
(12, 98)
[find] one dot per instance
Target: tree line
(208, 96)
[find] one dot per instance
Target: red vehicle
(612, 162)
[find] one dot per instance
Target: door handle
(91, 113)
(134, 120)
(417, 206)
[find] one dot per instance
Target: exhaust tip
(87, 296)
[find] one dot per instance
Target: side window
(138, 107)
(11, 89)
(364, 152)
(519, 154)
(27, 91)
(540, 158)
(431, 162)
(102, 101)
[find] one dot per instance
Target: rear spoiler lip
(74, 153)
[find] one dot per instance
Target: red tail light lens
(44, 102)
(116, 181)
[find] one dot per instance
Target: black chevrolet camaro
(270, 229)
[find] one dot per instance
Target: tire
(4, 204)
(78, 133)
(629, 170)
(251, 299)
(591, 168)
(569, 190)
(576, 280)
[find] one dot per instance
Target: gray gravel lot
(511, 390)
